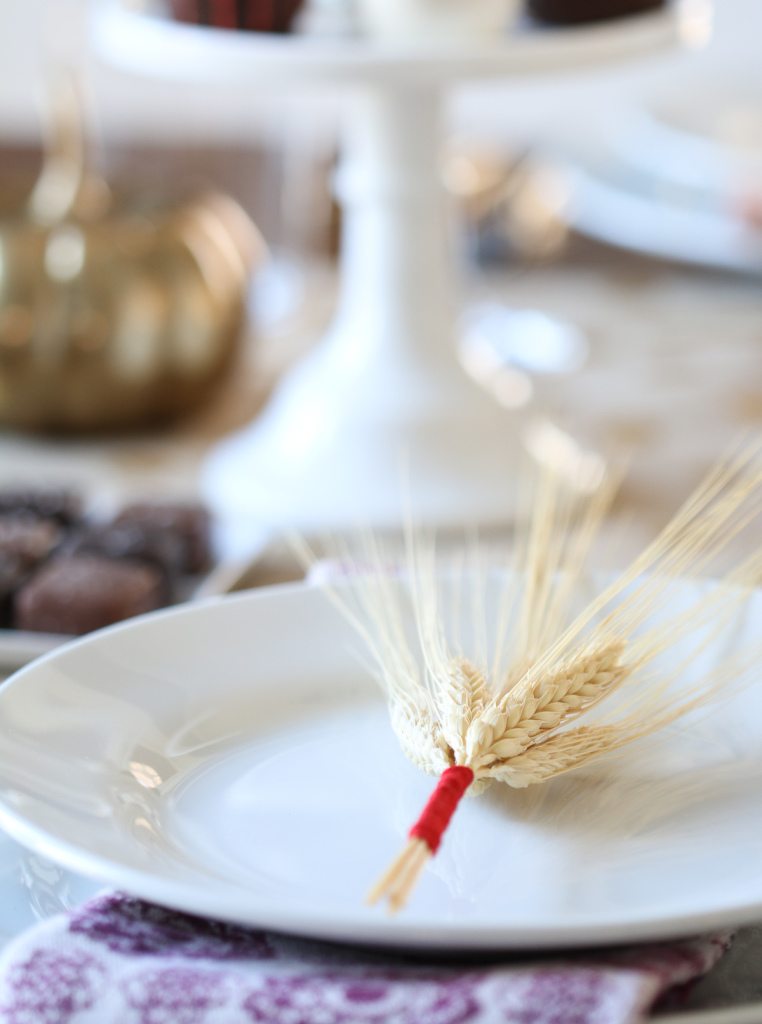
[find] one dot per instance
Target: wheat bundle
(513, 715)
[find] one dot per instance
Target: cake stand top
(133, 35)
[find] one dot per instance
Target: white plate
(703, 134)
(672, 175)
(234, 759)
(614, 206)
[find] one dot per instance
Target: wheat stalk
(512, 718)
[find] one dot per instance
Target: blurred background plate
(18, 647)
(621, 206)
(675, 171)
(703, 135)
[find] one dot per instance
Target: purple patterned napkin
(118, 960)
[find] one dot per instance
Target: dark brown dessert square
(129, 541)
(188, 522)
(57, 503)
(78, 593)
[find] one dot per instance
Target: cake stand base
(333, 450)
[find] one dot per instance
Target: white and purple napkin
(118, 960)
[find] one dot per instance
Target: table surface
(674, 374)
(673, 377)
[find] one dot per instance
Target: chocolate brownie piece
(574, 12)
(79, 593)
(129, 541)
(27, 538)
(187, 522)
(61, 504)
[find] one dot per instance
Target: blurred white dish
(234, 759)
(675, 176)
(703, 136)
(18, 647)
(614, 205)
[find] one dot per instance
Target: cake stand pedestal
(381, 407)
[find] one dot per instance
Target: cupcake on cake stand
(381, 406)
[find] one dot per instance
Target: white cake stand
(381, 406)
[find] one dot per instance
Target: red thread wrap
(431, 826)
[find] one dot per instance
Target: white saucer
(234, 759)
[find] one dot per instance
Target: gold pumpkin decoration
(116, 311)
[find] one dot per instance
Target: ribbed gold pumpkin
(120, 322)
(116, 310)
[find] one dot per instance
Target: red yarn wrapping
(430, 827)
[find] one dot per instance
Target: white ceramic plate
(617, 205)
(670, 176)
(233, 759)
(702, 134)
